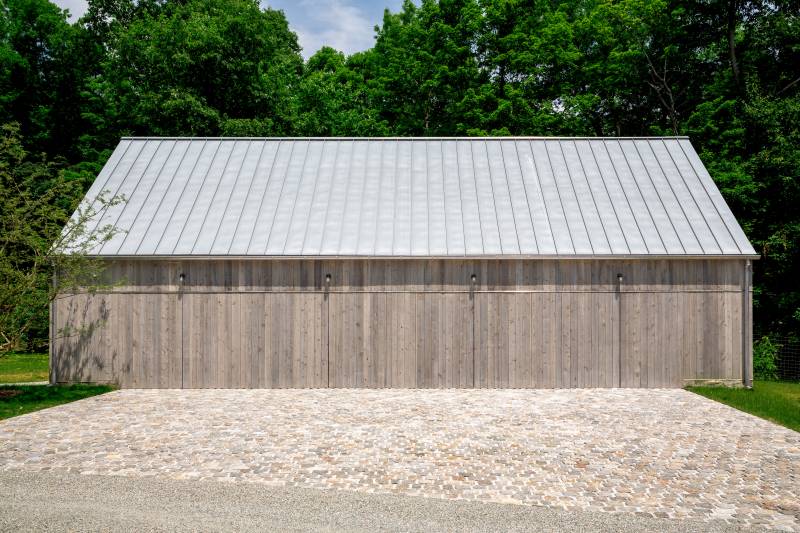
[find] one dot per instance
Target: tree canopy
(723, 73)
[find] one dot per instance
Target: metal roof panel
(413, 197)
(587, 205)
(246, 223)
(180, 209)
(523, 220)
(470, 208)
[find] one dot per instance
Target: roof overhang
(420, 258)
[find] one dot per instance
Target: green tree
(39, 239)
(422, 68)
(332, 98)
(200, 67)
(723, 73)
(44, 62)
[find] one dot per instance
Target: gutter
(747, 326)
(541, 257)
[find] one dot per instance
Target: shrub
(765, 359)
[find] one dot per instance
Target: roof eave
(431, 257)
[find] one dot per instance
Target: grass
(777, 401)
(20, 399)
(24, 367)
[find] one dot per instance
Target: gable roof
(414, 197)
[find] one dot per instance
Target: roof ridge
(482, 138)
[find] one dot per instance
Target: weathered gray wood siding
(406, 323)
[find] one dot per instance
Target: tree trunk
(733, 8)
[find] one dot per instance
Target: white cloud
(76, 7)
(342, 24)
(335, 23)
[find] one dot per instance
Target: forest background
(726, 73)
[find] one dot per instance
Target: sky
(347, 25)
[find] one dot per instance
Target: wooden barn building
(413, 263)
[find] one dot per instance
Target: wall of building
(406, 323)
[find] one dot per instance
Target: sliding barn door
(401, 340)
(255, 340)
(546, 340)
(130, 339)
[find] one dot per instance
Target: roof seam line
(378, 200)
(627, 199)
(572, 183)
(228, 201)
(428, 198)
(660, 197)
(196, 196)
(460, 194)
(510, 198)
(263, 195)
(591, 193)
(527, 201)
(544, 200)
(211, 200)
(646, 205)
(346, 189)
(119, 187)
(700, 179)
(411, 199)
(363, 191)
(293, 206)
(560, 201)
(160, 200)
(330, 195)
(494, 195)
(110, 173)
(672, 190)
(394, 197)
(610, 201)
(278, 201)
(247, 196)
(313, 197)
(575, 192)
(694, 200)
(477, 199)
(444, 199)
(183, 191)
(138, 181)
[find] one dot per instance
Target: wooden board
(400, 340)
(255, 341)
(129, 339)
(540, 340)
(407, 323)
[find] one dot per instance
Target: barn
(411, 263)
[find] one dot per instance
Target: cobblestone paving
(663, 453)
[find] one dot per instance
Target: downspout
(53, 322)
(747, 326)
(181, 281)
(619, 330)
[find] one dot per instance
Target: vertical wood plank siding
(406, 323)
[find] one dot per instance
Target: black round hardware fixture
(327, 278)
(182, 277)
(474, 278)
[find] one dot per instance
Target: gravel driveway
(656, 453)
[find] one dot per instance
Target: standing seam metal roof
(414, 197)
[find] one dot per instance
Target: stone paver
(660, 453)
